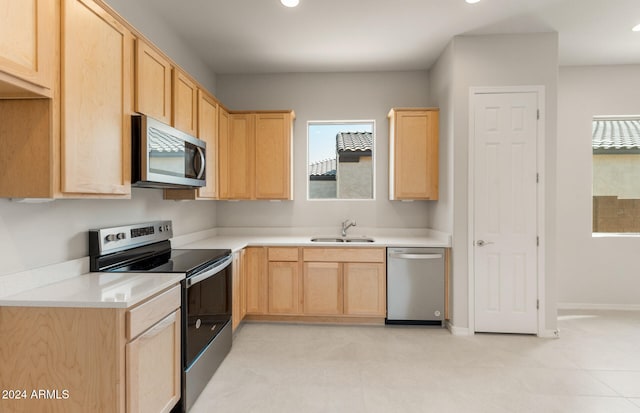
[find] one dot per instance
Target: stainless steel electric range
(206, 292)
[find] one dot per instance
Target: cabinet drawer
(344, 254)
(283, 254)
(147, 314)
(153, 367)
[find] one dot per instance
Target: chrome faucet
(346, 225)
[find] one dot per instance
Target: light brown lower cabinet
(322, 288)
(239, 289)
(283, 288)
(316, 283)
(92, 359)
(364, 288)
(256, 280)
(153, 370)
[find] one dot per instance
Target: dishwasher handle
(406, 256)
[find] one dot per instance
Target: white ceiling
(262, 36)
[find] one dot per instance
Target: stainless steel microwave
(164, 157)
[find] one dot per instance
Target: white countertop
(95, 290)
(70, 284)
(237, 242)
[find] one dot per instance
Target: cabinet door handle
(160, 325)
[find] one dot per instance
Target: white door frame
(540, 90)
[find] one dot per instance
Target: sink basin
(359, 240)
(336, 239)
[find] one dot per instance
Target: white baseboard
(458, 331)
(589, 306)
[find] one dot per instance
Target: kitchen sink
(338, 239)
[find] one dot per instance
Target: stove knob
(111, 237)
(160, 228)
(121, 235)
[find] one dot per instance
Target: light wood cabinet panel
(152, 83)
(96, 101)
(255, 156)
(86, 352)
(322, 286)
(208, 132)
(243, 284)
(364, 289)
(28, 159)
(340, 254)
(64, 348)
(223, 153)
(143, 316)
(185, 103)
(413, 135)
(283, 288)
(27, 48)
(237, 152)
(153, 367)
(76, 145)
(273, 156)
(257, 280)
(283, 254)
(238, 284)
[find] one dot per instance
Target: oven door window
(208, 310)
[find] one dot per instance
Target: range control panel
(107, 240)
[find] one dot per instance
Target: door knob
(482, 243)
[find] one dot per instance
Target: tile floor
(593, 367)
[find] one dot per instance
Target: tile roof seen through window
(616, 134)
(326, 167)
(162, 142)
(354, 141)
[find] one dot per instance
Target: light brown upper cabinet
(273, 155)
(413, 154)
(76, 144)
(207, 131)
(236, 157)
(255, 156)
(185, 103)
(153, 83)
(27, 48)
(96, 101)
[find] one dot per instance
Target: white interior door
(505, 212)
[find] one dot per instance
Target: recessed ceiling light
(636, 28)
(472, 1)
(290, 3)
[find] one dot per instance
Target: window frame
(373, 158)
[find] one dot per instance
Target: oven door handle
(210, 272)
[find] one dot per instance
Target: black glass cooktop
(179, 261)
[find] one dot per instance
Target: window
(340, 159)
(616, 174)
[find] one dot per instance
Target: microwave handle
(202, 162)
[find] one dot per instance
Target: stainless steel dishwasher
(415, 286)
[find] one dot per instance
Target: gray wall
(35, 235)
(492, 60)
(160, 34)
(327, 96)
(592, 271)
